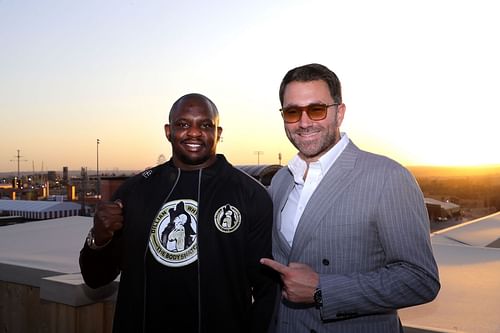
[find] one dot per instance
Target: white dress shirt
(304, 188)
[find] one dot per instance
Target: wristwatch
(318, 298)
(91, 241)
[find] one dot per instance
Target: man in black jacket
(186, 237)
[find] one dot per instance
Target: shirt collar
(298, 166)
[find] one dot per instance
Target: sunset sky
(421, 79)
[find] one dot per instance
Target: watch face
(318, 297)
(91, 241)
(89, 238)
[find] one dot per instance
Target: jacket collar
(219, 164)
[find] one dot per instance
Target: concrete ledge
(70, 289)
(421, 329)
(29, 276)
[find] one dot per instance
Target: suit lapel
(281, 193)
(329, 189)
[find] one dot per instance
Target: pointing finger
(278, 267)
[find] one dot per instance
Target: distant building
(65, 178)
(109, 185)
(51, 176)
(442, 210)
(40, 210)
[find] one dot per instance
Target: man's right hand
(108, 218)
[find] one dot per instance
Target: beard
(313, 148)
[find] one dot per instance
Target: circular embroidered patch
(173, 240)
(227, 218)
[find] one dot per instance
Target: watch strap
(91, 241)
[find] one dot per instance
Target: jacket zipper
(144, 286)
(198, 250)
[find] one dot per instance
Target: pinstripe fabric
(365, 230)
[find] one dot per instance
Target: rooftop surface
(469, 300)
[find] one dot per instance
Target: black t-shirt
(172, 261)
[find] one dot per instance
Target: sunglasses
(292, 114)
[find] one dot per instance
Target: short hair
(313, 72)
(191, 95)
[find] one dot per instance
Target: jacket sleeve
(410, 276)
(264, 280)
(102, 266)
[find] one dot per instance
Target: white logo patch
(173, 239)
(227, 218)
(147, 173)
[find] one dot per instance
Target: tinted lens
(291, 114)
(316, 111)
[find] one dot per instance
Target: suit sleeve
(410, 275)
(264, 280)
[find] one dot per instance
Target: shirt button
(326, 262)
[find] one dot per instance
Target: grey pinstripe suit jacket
(365, 231)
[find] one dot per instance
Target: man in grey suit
(351, 231)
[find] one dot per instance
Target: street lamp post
(258, 153)
(18, 180)
(98, 188)
(83, 190)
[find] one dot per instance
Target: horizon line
(409, 166)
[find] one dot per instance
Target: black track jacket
(230, 274)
